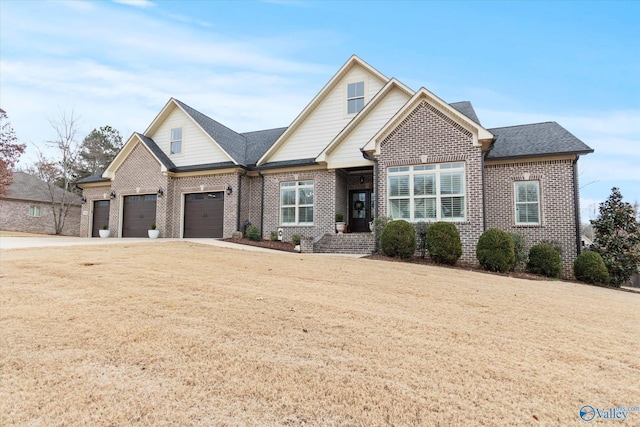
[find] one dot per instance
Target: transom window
(296, 203)
(176, 141)
(433, 192)
(527, 202)
(34, 211)
(355, 97)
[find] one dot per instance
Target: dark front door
(100, 216)
(360, 210)
(138, 214)
(203, 214)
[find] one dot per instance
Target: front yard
(179, 333)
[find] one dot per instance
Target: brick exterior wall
(14, 216)
(324, 192)
(427, 132)
(92, 195)
(557, 207)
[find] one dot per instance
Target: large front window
(296, 203)
(427, 192)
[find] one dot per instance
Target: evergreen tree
(617, 237)
(97, 150)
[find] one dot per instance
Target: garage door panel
(204, 215)
(138, 214)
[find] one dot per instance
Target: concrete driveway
(11, 242)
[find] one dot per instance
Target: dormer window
(176, 141)
(355, 97)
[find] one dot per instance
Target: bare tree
(58, 171)
(10, 152)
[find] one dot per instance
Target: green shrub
(398, 239)
(274, 236)
(443, 243)
(296, 238)
(544, 259)
(378, 227)
(557, 246)
(589, 267)
(253, 233)
(520, 251)
(495, 250)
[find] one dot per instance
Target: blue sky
(255, 65)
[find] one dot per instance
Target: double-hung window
(527, 202)
(296, 203)
(176, 141)
(434, 192)
(355, 97)
(34, 211)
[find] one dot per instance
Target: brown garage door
(203, 214)
(138, 214)
(100, 216)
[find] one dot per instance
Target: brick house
(27, 207)
(365, 146)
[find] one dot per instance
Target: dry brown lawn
(183, 334)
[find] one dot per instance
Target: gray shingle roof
(536, 139)
(230, 141)
(245, 148)
(259, 142)
(97, 177)
(151, 144)
(32, 188)
(466, 108)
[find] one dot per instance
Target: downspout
(240, 175)
(576, 203)
(261, 203)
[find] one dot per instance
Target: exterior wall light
(160, 192)
(112, 195)
(229, 190)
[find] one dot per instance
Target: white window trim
(35, 211)
(516, 203)
(438, 197)
(346, 95)
(297, 205)
(171, 141)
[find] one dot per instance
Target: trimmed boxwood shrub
(544, 259)
(520, 250)
(443, 243)
(253, 233)
(589, 267)
(398, 239)
(495, 250)
(296, 238)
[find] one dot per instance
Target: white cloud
(136, 3)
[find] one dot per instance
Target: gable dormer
(339, 101)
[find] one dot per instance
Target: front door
(360, 211)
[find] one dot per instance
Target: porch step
(350, 243)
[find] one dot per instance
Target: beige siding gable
(327, 119)
(197, 146)
(347, 153)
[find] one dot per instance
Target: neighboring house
(365, 146)
(27, 207)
